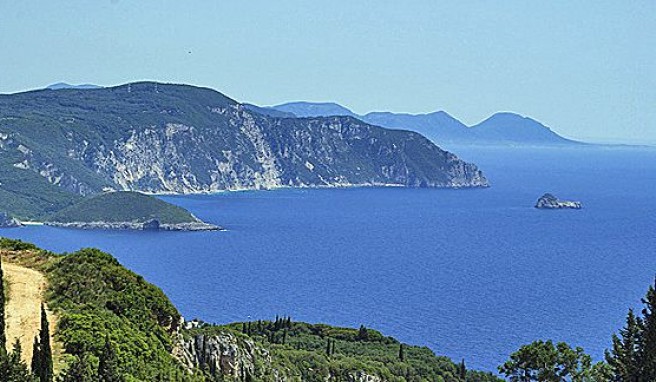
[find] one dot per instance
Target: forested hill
(106, 312)
(178, 138)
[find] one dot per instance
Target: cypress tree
(108, 370)
(462, 370)
(363, 333)
(45, 352)
(648, 340)
(401, 353)
(3, 328)
(328, 347)
(35, 366)
(624, 358)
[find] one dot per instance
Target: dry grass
(26, 293)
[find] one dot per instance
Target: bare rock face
(550, 202)
(221, 355)
(7, 221)
(182, 139)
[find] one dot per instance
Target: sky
(587, 69)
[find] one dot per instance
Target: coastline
(136, 226)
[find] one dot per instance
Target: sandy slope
(23, 310)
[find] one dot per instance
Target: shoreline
(136, 226)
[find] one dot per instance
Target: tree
(80, 370)
(401, 353)
(35, 366)
(108, 370)
(45, 351)
(545, 362)
(647, 341)
(624, 358)
(3, 333)
(363, 333)
(462, 370)
(12, 368)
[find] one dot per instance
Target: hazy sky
(585, 68)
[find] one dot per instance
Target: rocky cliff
(182, 139)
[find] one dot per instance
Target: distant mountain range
(440, 127)
(59, 146)
(64, 85)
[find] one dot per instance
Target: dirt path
(23, 310)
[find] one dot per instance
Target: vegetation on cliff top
(98, 301)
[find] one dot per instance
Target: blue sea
(471, 274)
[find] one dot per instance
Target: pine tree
(3, 333)
(45, 373)
(624, 359)
(648, 338)
(401, 353)
(108, 370)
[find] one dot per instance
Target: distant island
(499, 129)
(550, 202)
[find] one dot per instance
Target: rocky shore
(151, 225)
(551, 202)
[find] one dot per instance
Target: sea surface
(471, 274)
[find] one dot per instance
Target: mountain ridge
(441, 127)
(174, 138)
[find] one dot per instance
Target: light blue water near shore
(470, 273)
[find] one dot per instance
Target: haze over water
(470, 273)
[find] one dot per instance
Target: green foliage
(16, 245)
(546, 362)
(122, 206)
(98, 299)
(310, 352)
(108, 368)
(27, 195)
(44, 366)
(80, 370)
(12, 369)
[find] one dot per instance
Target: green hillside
(122, 206)
(98, 300)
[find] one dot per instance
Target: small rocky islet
(551, 202)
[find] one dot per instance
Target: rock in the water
(7, 221)
(151, 225)
(549, 201)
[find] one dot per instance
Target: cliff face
(173, 138)
(225, 355)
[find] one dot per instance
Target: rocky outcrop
(7, 221)
(182, 139)
(550, 202)
(226, 355)
(222, 354)
(151, 225)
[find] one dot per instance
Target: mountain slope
(178, 138)
(440, 127)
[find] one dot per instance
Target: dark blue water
(470, 273)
